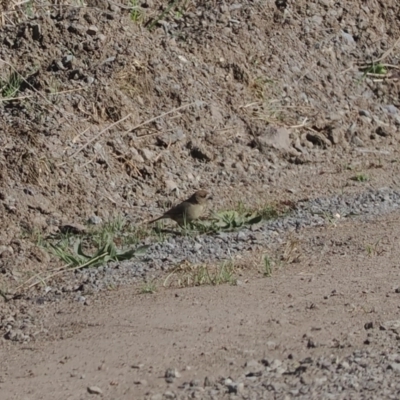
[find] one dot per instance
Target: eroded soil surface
(110, 109)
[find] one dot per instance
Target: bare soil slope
(241, 98)
(109, 108)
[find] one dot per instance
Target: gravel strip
(363, 374)
(224, 245)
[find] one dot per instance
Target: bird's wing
(176, 211)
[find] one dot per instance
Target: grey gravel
(224, 245)
(359, 375)
(218, 247)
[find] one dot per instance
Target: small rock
(369, 325)
(76, 29)
(176, 136)
(36, 32)
(311, 344)
(271, 345)
(95, 220)
(394, 366)
(344, 365)
(241, 236)
(68, 60)
(364, 113)
(357, 141)
(94, 390)
(253, 364)
(109, 60)
(275, 365)
(228, 382)
(207, 381)
(200, 154)
(349, 38)
(391, 109)
(29, 191)
(306, 379)
(381, 131)
(92, 30)
(136, 156)
(16, 335)
(142, 382)
(275, 137)
(320, 381)
(194, 383)
(171, 373)
(147, 154)
(170, 185)
(89, 80)
(197, 247)
(6, 251)
(391, 325)
(240, 387)
(137, 366)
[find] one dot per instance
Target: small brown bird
(188, 210)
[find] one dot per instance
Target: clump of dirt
(106, 106)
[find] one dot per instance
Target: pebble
(95, 220)
(172, 373)
(94, 390)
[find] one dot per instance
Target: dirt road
(124, 342)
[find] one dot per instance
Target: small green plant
(120, 231)
(137, 12)
(35, 236)
(240, 217)
(187, 275)
(268, 212)
(178, 14)
(375, 69)
(233, 220)
(11, 86)
(370, 250)
(54, 88)
(148, 288)
(267, 266)
(375, 249)
(29, 11)
(330, 219)
(259, 85)
(226, 221)
(76, 257)
(161, 16)
(360, 178)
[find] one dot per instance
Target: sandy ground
(123, 342)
